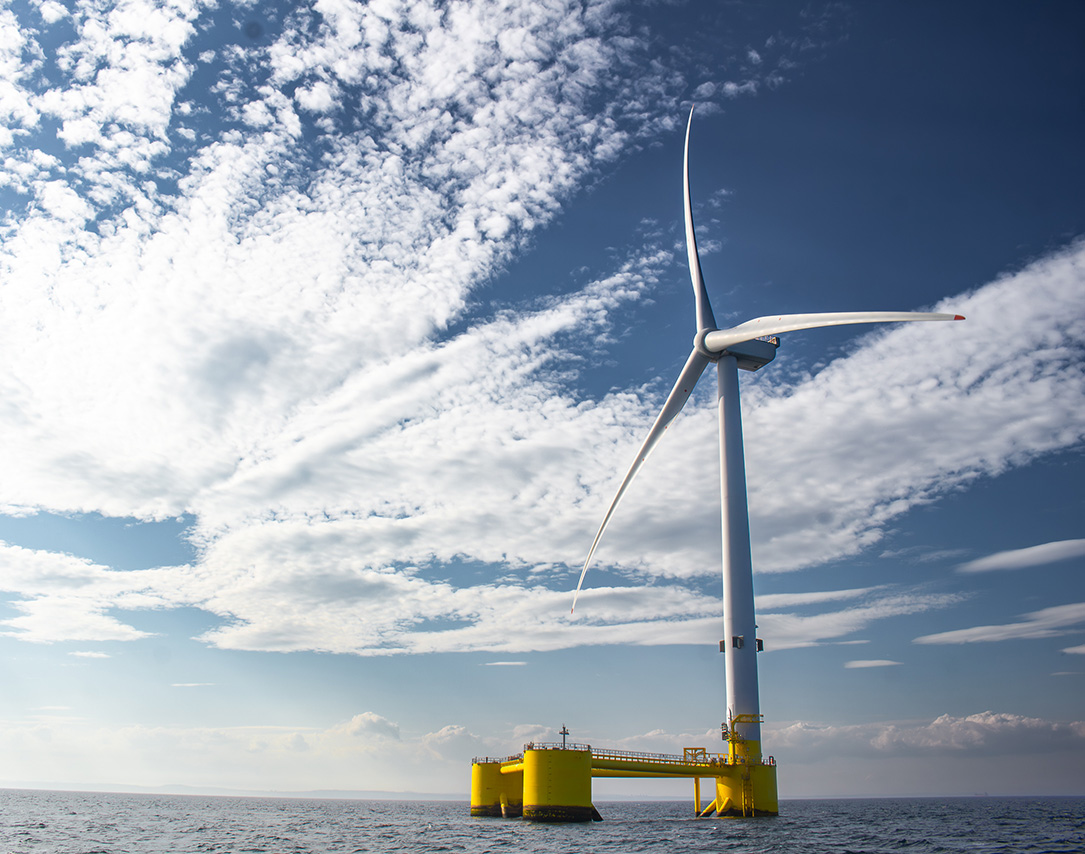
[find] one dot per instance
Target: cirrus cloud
(1032, 556)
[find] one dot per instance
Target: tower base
(744, 791)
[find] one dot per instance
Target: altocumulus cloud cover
(248, 275)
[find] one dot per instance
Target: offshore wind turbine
(749, 346)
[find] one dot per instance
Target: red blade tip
(958, 317)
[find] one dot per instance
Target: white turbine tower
(749, 346)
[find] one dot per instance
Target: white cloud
(300, 758)
(771, 601)
(328, 598)
(369, 724)
(364, 754)
(65, 598)
(266, 347)
(64, 203)
(986, 733)
(52, 11)
(315, 461)
(916, 411)
(1045, 623)
(318, 98)
(47, 620)
(1031, 556)
(247, 298)
(18, 61)
(861, 664)
(125, 70)
(734, 90)
(793, 630)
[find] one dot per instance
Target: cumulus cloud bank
(987, 733)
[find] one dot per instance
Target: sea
(96, 823)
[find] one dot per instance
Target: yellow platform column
(766, 801)
(747, 790)
(494, 794)
(557, 786)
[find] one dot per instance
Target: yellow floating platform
(552, 782)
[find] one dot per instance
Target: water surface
(94, 823)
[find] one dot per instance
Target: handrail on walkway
(699, 757)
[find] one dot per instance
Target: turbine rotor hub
(700, 346)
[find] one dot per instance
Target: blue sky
(330, 329)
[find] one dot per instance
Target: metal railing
(482, 760)
(531, 745)
(554, 745)
(693, 756)
(669, 758)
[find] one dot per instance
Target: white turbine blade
(692, 371)
(705, 318)
(720, 340)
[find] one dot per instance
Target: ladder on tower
(747, 793)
